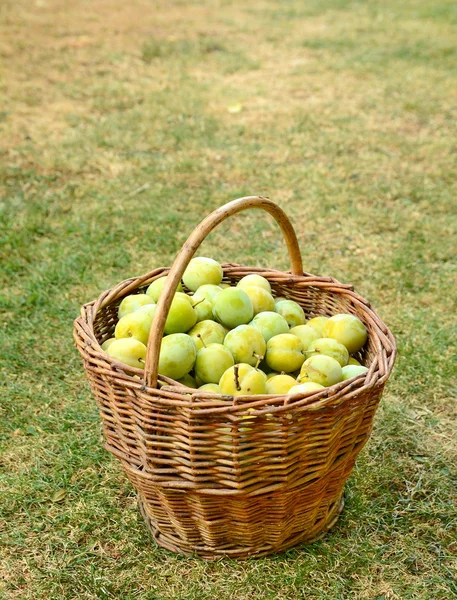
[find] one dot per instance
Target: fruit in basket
(318, 323)
(129, 351)
(350, 371)
(256, 280)
(353, 361)
(269, 324)
(136, 324)
(238, 326)
(346, 329)
(207, 332)
(321, 369)
(260, 298)
(107, 343)
(149, 309)
(181, 316)
(284, 353)
(156, 287)
(246, 344)
(188, 381)
(185, 296)
(177, 355)
(280, 384)
(291, 311)
(212, 361)
(132, 302)
(271, 373)
(201, 271)
(212, 388)
(242, 379)
(306, 333)
(305, 388)
(203, 308)
(329, 347)
(208, 291)
(233, 307)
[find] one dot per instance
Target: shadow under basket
(242, 476)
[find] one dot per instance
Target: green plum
(318, 323)
(291, 311)
(107, 343)
(201, 271)
(273, 374)
(350, 371)
(306, 333)
(156, 287)
(329, 347)
(132, 302)
(188, 381)
(284, 353)
(280, 384)
(181, 316)
(208, 291)
(321, 369)
(346, 329)
(177, 355)
(261, 299)
(233, 307)
(212, 361)
(129, 351)
(186, 296)
(353, 361)
(305, 388)
(269, 324)
(242, 379)
(254, 280)
(149, 309)
(246, 344)
(212, 388)
(136, 325)
(207, 332)
(203, 308)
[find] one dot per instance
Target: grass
(117, 133)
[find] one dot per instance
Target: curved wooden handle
(187, 252)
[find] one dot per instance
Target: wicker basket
(223, 476)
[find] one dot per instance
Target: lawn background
(122, 124)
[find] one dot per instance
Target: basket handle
(187, 252)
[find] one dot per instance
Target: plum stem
(259, 359)
(201, 339)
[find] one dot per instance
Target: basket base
(172, 543)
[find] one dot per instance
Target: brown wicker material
(224, 476)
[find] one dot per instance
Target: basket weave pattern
(244, 476)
